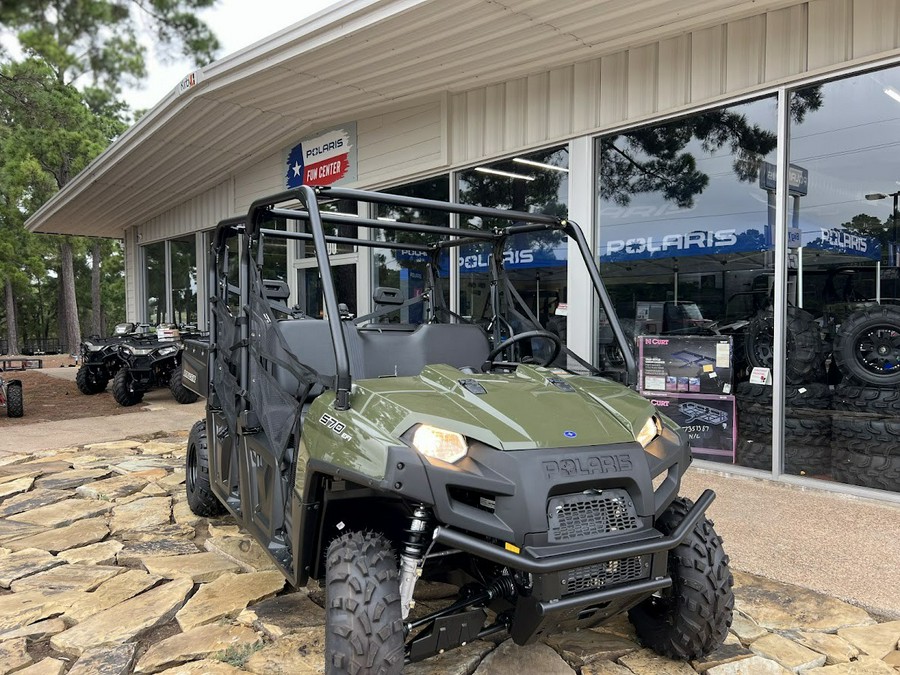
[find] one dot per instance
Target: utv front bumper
(627, 572)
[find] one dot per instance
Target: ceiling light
(893, 93)
(507, 174)
(388, 220)
(540, 165)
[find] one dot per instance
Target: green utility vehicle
(368, 454)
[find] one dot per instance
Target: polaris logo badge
(587, 466)
(189, 376)
(569, 434)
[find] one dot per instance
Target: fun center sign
(327, 158)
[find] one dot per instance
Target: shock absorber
(413, 556)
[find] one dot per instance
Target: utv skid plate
(545, 610)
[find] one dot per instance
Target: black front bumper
(548, 609)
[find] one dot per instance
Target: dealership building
(733, 164)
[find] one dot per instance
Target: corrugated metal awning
(342, 63)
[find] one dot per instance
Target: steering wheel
(528, 335)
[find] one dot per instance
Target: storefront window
(685, 248)
(184, 280)
(536, 263)
(844, 187)
(305, 249)
(407, 270)
(155, 282)
(275, 262)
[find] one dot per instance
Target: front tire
(15, 401)
(88, 382)
(692, 618)
(363, 626)
(179, 392)
(123, 389)
(200, 497)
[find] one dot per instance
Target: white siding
(261, 179)
(401, 142)
(200, 213)
(663, 77)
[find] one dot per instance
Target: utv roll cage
(263, 210)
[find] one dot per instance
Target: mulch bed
(49, 399)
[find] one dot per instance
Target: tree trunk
(96, 327)
(72, 338)
(12, 325)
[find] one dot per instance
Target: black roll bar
(264, 209)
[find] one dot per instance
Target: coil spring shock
(413, 556)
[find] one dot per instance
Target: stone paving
(105, 571)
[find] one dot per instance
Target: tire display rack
(848, 431)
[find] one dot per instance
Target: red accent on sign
(327, 171)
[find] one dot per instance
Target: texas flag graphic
(321, 160)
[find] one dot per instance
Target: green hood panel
(519, 411)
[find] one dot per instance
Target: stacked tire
(807, 429)
(866, 421)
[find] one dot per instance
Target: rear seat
(378, 353)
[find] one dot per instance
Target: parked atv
(11, 397)
(100, 359)
(148, 363)
(370, 455)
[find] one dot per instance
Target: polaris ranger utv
(369, 455)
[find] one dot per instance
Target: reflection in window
(406, 270)
(184, 280)
(536, 263)
(346, 207)
(685, 246)
(155, 282)
(844, 276)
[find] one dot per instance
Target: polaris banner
(841, 240)
(679, 244)
(730, 240)
(327, 158)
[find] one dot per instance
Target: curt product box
(708, 420)
(696, 364)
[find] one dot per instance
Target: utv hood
(531, 408)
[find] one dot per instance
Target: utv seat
(375, 353)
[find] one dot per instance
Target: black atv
(149, 363)
(11, 396)
(369, 455)
(100, 359)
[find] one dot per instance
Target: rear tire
(200, 497)
(179, 392)
(692, 618)
(804, 346)
(881, 472)
(15, 401)
(123, 390)
(363, 626)
(88, 382)
(867, 347)
(856, 398)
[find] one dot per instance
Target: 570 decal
(337, 427)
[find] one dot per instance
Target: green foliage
(59, 109)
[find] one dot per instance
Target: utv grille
(590, 514)
(601, 575)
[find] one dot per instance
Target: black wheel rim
(878, 350)
(762, 345)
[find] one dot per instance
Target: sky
(237, 24)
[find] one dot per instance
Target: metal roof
(344, 62)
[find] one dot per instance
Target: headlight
(447, 446)
(165, 351)
(651, 429)
(136, 351)
(91, 347)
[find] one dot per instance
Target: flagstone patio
(105, 571)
